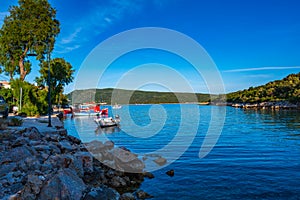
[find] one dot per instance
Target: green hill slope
(136, 97)
(287, 89)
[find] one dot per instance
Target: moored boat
(103, 122)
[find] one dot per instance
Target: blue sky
(251, 42)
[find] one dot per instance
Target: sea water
(256, 155)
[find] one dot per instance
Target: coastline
(40, 162)
(281, 105)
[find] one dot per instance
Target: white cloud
(101, 18)
(261, 68)
(71, 37)
(67, 49)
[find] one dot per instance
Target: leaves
(61, 74)
(31, 26)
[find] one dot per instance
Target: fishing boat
(103, 121)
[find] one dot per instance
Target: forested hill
(136, 97)
(287, 89)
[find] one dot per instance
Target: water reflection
(107, 130)
(288, 118)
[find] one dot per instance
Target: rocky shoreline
(55, 165)
(281, 105)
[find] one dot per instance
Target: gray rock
(62, 132)
(73, 139)
(107, 155)
(87, 160)
(15, 188)
(77, 165)
(65, 146)
(54, 138)
(98, 156)
(103, 193)
(109, 144)
(42, 147)
(54, 161)
(170, 172)
(34, 142)
(20, 142)
(148, 175)
(117, 181)
(127, 196)
(16, 154)
(32, 163)
(35, 183)
(135, 166)
(64, 185)
(95, 146)
(160, 161)
(143, 195)
(6, 168)
(22, 166)
(32, 133)
(46, 167)
(54, 148)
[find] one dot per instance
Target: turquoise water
(257, 155)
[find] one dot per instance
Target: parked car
(3, 107)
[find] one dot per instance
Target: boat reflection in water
(107, 130)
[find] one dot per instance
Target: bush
(34, 100)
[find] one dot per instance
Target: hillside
(287, 89)
(136, 97)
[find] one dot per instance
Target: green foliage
(30, 27)
(287, 89)
(34, 100)
(8, 96)
(61, 74)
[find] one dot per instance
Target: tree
(61, 74)
(30, 27)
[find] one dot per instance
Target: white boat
(107, 121)
(116, 106)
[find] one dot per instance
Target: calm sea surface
(257, 155)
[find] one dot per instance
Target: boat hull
(107, 122)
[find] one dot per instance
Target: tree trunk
(23, 72)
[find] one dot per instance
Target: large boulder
(87, 160)
(64, 185)
(127, 161)
(16, 154)
(32, 133)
